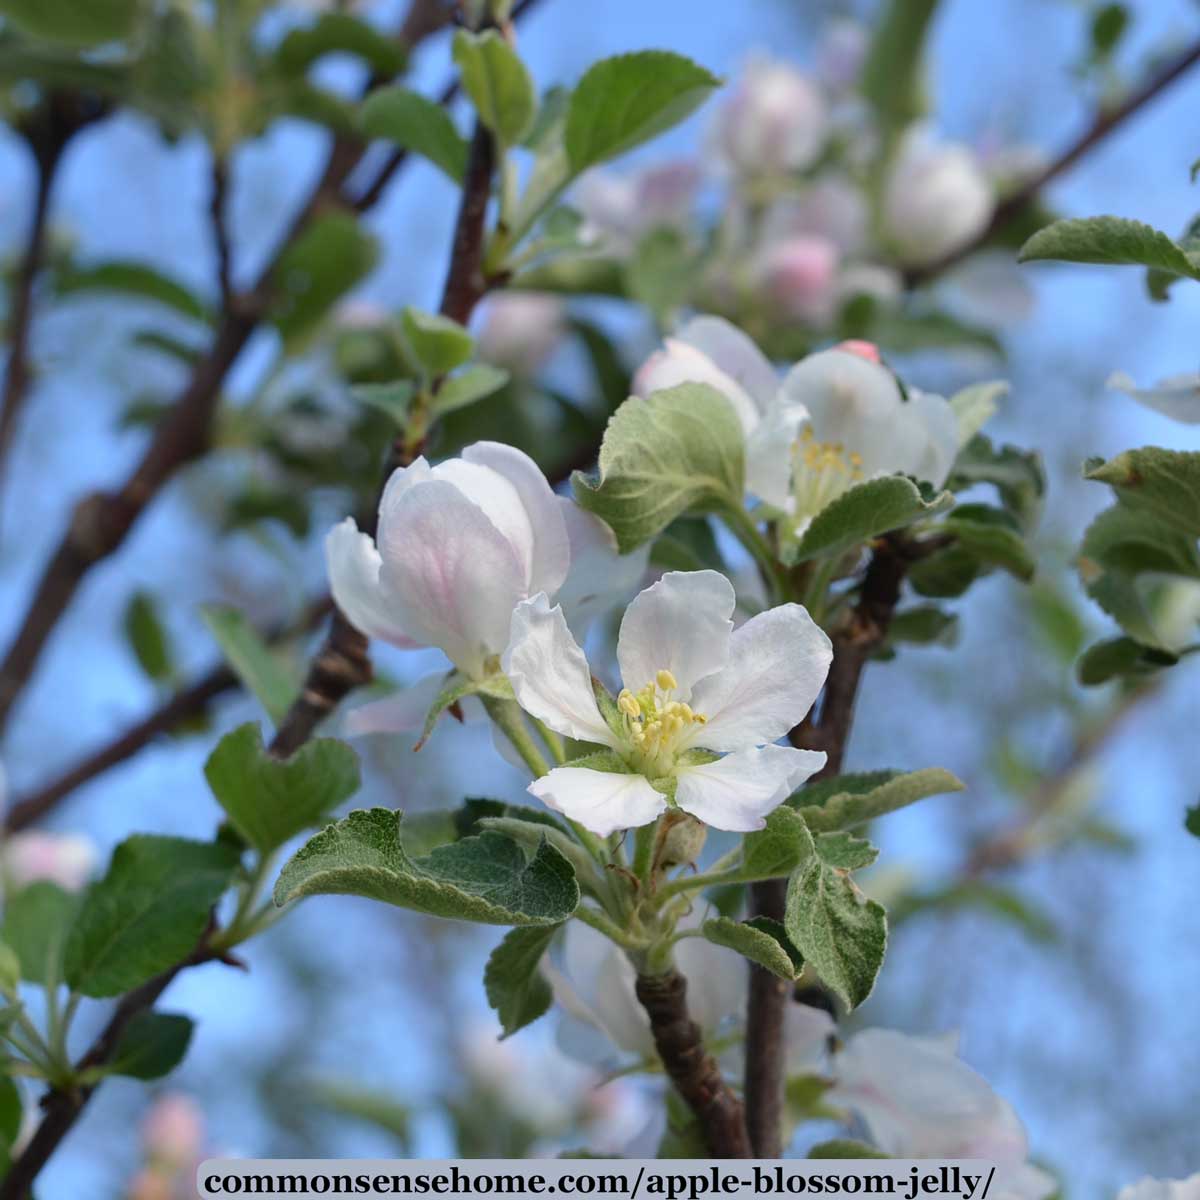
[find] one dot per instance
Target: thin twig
(1101, 126)
(219, 221)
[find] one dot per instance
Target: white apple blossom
(842, 51)
(838, 417)
(800, 276)
(173, 1130)
(918, 1099)
(1162, 1189)
(459, 545)
(776, 121)
(936, 198)
(521, 330)
(691, 685)
(618, 209)
(66, 859)
(1177, 396)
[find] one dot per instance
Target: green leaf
(1017, 475)
(841, 933)
(497, 82)
(867, 510)
(1118, 657)
(515, 986)
(661, 272)
(845, 851)
(270, 800)
(37, 919)
(924, 625)
(136, 280)
(485, 878)
(844, 1148)
(1107, 241)
(1191, 820)
(457, 687)
(410, 120)
(467, 387)
(890, 80)
(1164, 483)
(626, 100)
(10, 969)
(992, 537)
(974, 406)
(147, 913)
(986, 897)
(850, 800)
(762, 941)
(777, 849)
(1109, 24)
(75, 22)
(676, 451)
(152, 1045)
(438, 343)
(147, 637)
(339, 32)
(261, 671)
(332, 255)
(393, 399)
(12, 1111)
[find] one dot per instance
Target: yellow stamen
(666, 681)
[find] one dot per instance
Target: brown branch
(853, 644)
(219, 221)
(693, 1071)
(1101, 126)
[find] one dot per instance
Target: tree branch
(693, 1071)
(853, 643)
(1101, 126)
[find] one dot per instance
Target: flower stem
(599, 922)
(511, 722)
(744, 528)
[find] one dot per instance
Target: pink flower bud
(521, 330)
(63, 858)
(173, 1130)
(800, 274)
(867, 350)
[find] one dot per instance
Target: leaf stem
(602, 924)
(746, 532)
(510, 720)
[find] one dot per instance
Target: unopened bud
(680, 840)
(867, 350)
(800, 275)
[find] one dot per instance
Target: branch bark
(693, 1071)
(853, 644)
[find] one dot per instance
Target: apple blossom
(800, 276)
(521, 330)
(618, 209)
(694, 689)
(936, 199)
(1162, 1189)
(66, 859)
(173, 1130)
(775, 121)
(918, 1099)
(1177, 396)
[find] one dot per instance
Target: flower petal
(551, 548)
(600, 988)
(769, 453)
(549, 673)
(600, 577)
(353, 565)
(1177, 396)
(403, 711)
(681, 363)
(778, 661)
(680, 624)
(602, 801)
(736, 354)
(738, 791)
(452, 576)
(938, 443)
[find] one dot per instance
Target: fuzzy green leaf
(761, 941)
(676, 451)
(515, 986)
(147, 913)
(152, 1046)
(393, 399)
(850, 800)
(438, 343)
(410, 120)
(628, 99)
(475, 383)
(776, 850)
(269, 799)
(1163, 483)
(456, 688)
(992, 537)
(486, 878)
(844, 850)
(868, 509)
(498, 83)
(262, 673)
(1109, 241)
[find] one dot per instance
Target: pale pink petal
(681, 363)
(600, 577)
(353, 565)
(736, 355)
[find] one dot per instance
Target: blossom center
(657, 725)
(821, 472)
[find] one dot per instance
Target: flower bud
(775, 121)
(936, 199)
(867, 350)
(62, 858)
(173, 1131)
(800, 277)
(680, 839)
(521, 330)
(618, 209)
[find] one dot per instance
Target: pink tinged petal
(1177, 396)
(353, 565)
(549, 673)
(600, 577)
(66, 859)
(736, 355)
(778, 661)
(603, 981)
(680, 363)
(867, 350)
(716, 982)
(401, 479)
(401, 712)
(453, 577)
(737, 792)
(601, 801)
(681, 624)
(551, 545)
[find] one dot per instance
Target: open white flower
(1162, 1189)
(459, 545)
(65, 859)
(693, 689)
(918, 1099)
(1177, 396)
